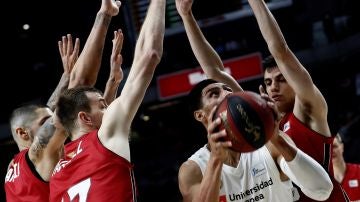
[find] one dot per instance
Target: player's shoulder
(189, 168)
(189, 174)
(354, 166)
(189, 165)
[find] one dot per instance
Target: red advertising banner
(180, 83)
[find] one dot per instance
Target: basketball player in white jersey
(217, 173)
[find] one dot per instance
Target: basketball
(248, 120)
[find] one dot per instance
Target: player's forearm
(302, 169)
(210, 185)
(207, 57)
(309, 175)
(269, 28)
(62, 85)
(151, 36)
(111, 90)
(287, 151)
(88, 64)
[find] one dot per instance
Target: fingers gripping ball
(248, 120)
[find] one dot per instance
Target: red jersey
(91, 172)
(351, 181)
(21, 184)
(318, 147)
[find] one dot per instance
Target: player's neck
(78, 134)
(339, 169)
(23, 145)
(233, 158)
(80, 131)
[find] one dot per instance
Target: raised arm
(88, 65)
(208, 58)
(69, 54)
(115, 128)
(116, 73)
(45, 150)
(309, 99)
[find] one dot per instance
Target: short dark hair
(194, 97)
(71, 102)
(269, 62)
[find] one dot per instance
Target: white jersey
(256, 178)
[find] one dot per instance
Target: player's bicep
(114, 121)
(115, 129)
(190, 178)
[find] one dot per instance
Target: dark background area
(324, 35)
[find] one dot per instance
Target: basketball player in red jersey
(35, 135)
(97, 164)
(26, 178)
(33, 130)
(303, 106)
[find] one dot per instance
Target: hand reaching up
(69, 52)
(116, 58)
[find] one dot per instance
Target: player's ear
(199, 115)
(22, 133)
(83, 116)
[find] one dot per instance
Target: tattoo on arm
(102, 19)
(42, 138)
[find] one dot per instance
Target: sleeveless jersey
(256, 178)
(351, 181)
(318, 147)
(90, 172)
(21, 184)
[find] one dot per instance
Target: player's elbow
(279, 50)
(321, 193)
(155, 55)
(76, 80)
(153, 58)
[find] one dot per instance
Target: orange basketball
(248, 120)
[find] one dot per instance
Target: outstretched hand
(68, 52)
(116, 74)
(116, 58)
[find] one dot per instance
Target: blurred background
(324, 35)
